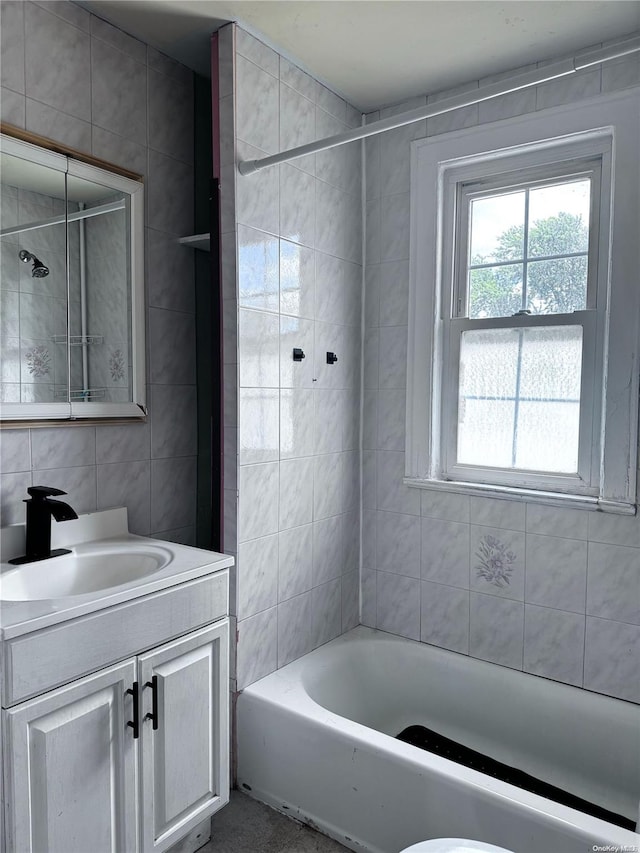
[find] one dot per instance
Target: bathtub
(315, 740)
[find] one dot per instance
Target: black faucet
(40, 508)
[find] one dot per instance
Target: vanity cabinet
(130, 758)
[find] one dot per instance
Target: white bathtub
(315, 740)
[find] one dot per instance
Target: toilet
(453, 845)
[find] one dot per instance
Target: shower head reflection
(39, 269)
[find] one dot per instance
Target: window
(525, 309)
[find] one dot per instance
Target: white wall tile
(328, 552)
(398, 544)
(395, 157)
(446, 505)
(326, 612)
(554, 644)
(258, 269)
(394, 228)
(297, 125)
(556, 572)
(294, 628)
(259, 425)
(394, 293)
(392, 494)
(391, 420)
(257, 575)
(257, 52)
(621, 74)
(398, 605)
(257, 103)
(257, 647)
(297, 280)
(327, 497)
(350, 601)
(614, 529)
(444, 617)
(259, 349)
(329, 420)
(564, 90)
(257, 196)
(259, 490)
(491, 512)
(369, 496)
(613, 582)
(296, 423)
(295, 572)
(496, 630)
(330, 219)
(296, 492)
(330, 302)
(557, 521)
(445, 552)
(298, 79)
(393, 357)
(15, 450)
(298, 205)
(612, 659)
(373, 284)
(369, 598)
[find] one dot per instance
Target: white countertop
(99, 528)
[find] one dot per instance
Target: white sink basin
(87, 569)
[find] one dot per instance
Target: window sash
(549, 175)
(585, 481)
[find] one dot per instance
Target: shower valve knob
(331, 358)
(298, 354)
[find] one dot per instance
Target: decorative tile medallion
(495, 561)
(116, 365)
(38, 361)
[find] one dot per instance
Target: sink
(88, 569)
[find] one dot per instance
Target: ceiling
(379, 52)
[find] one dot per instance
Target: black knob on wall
(331, 358)
(298, 354)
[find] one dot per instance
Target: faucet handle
(42, 492)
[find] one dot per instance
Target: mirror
(71, 288)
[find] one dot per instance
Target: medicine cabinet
(71, 288)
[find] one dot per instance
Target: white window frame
(607, 128)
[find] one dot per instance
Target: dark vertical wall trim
(208, 485)
(215, 242)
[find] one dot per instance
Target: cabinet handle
(153, 684)
(135, 724)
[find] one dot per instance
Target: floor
(247, 826)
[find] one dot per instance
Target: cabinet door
(71, 768)
(185, 760)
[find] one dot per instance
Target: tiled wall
(72, 77)
(571, 609)
(292, 278)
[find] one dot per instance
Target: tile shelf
(78, 340)
(196, 241)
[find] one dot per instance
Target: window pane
(559, 219)
(496, 228)
(558, 286)
(495, 291)
(488, 374)
(519, 401)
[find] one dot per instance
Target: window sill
(594, 504)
